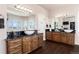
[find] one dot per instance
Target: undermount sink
(68, 31)
(29, 32)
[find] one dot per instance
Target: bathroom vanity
(63, 37)
(24, 44)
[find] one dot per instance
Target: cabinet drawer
(14, 42)
(17, 49)
(56, 33)
(56, 36)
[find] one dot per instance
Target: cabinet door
(70, 38)
(63, 38)
(34, 42)
(48, 36)
(56, 36)
(27, 45)
(40, 40)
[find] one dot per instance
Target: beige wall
(77, 29)
(3, 33)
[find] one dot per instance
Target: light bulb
(18, 6)
(25, 9)
(29, 10)
(22, 8)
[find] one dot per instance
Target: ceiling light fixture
(23, 8)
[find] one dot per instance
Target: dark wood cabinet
(70, 38)
(63, 37)
(14, 46)
(56, 36)
(27, 42)
(40, 39)
(24, 44)
(31, 43)
(34, 42)
(48, 35)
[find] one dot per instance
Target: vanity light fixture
(22, 8)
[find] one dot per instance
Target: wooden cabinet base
(56, 36)
(32, 43)
(48, 35)
(40, 43)
(14, 46)
(27, 45)
(67, 38)
(24, 45)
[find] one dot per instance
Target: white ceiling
(55, 8)
(51, 7)
(61, 9)
(12, 10)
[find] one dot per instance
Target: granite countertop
(61, 31)
(14, 38)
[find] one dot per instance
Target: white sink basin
(29, 32)
(68, 31)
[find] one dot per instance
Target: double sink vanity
(24, 43)
(61, 36)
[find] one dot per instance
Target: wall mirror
(63, 22)
(20, 21)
